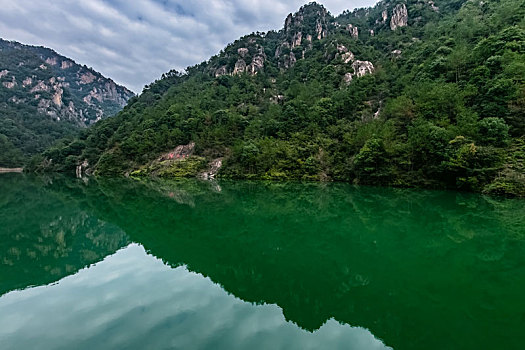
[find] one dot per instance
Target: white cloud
(134, 42)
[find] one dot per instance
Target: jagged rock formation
(361, 68)
(44, 96)
(399, 17)
(62, 89)
(346, 55)
(353, 31)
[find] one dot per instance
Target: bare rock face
(87, 78)
(66, 64)
(223, 70)
(52, 61)
(180, 152)
(257, 63)
(354, 32)
(396, 53)
(348, 78)
(240, 67)
(361, 68)
(280, 48)
(321, 30)
(80, 95)
(399, 17)
(288, 23)
(297, 39)
(292, 60)
(57, 97)
(346, 55)
(27, 82)
(40, 86)
(242, 52)
(384, 15)
(10, 84)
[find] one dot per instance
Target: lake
(123, 264)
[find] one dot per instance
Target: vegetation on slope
(45, 96)
(443, 105)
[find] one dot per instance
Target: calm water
(118, 264)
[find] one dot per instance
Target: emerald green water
(120, 264)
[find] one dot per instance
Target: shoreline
(11, 170)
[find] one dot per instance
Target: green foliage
(370, 164)
(29, 118)
(443, 113)
(494, 131)
(189, 167)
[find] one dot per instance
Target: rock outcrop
(180, 152)
(399, 17)
(63, 90)
(240, 67)
(299, 31)
(354, 32)
(361, 68)
(346, 55)
(212, 170)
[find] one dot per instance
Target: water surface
(113, 264)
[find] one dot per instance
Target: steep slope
(45, 96)
(407, 93)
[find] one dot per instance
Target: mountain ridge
(46, 96)
(405, 93)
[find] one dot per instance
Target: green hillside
(414, 93)
(45, 96)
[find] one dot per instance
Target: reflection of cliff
(412, 266)
(46, 235)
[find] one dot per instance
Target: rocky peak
(60, 88)
(354, 32)
(258, 58)
(399, 17)
(300, 29)
(300, 25)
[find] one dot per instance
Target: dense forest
(407, 93)
(45, 96)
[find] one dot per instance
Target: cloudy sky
(135, 41)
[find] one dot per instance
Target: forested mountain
(45, 96)
(407, 93)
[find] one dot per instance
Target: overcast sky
(135, 41)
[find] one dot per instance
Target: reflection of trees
(412, 266)
(47, 234)
(402, 263)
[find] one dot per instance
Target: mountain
(45, 96)
(406, 93)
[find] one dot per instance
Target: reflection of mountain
(415, 267)
(420, 269)
(45, 235)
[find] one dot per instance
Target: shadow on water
(420, 269)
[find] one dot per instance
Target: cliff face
(404, 93)
(45, 96)
(56, 86)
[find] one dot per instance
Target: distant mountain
(45, 96)
(427, 93)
